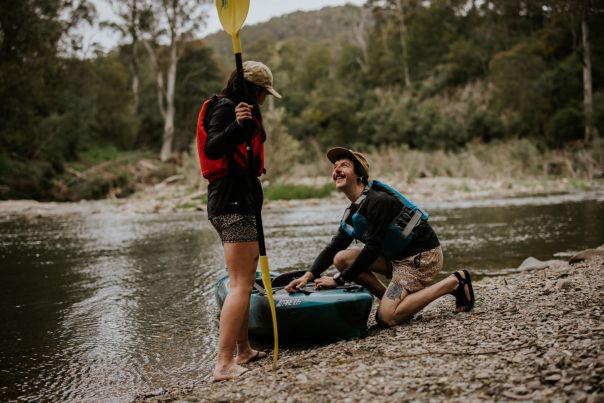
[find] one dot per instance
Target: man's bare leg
(398, 305)
(367, 279)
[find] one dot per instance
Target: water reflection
(104, 329)
(107, 306)
(120, 305)
(37, 288)
(491, 239)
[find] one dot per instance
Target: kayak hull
(340, 313)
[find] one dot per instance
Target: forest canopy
(428, 75)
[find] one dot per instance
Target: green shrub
(565, 125)
(436, 130)
(296, 192)
(484, 125)
(598, 112)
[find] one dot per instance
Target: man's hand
(299, 282)
(325, 283)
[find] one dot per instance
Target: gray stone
(532, 263)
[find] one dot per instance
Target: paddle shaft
(263, 261)
(250, 156)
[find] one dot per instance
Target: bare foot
(250, 356)
(229, 373)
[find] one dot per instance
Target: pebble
(515, 345)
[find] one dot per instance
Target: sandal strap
(462, 281)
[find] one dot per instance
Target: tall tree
(580, 12)
(33, 111)
(132, 15)
(173, 22)
(398, 9)
(587, 84)
(401, 6)
(359, 35)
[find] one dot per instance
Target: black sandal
(460, 293)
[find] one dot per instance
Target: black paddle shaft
(250, 158)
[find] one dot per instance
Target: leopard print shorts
(417, 272)
(235, 227)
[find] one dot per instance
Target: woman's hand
(324, 283)
(243, 113)
(299, 282)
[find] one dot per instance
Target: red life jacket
(219, 168)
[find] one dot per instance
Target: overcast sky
(260, 11)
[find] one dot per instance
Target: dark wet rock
(586, 254)
(596, 398)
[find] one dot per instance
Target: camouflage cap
(259, 74)
(337, 153)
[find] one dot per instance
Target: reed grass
(515, 159)
(505, 161)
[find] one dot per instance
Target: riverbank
(535, 335)
(172, 196)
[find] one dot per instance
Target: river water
(106, 306)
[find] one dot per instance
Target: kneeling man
(398, 243)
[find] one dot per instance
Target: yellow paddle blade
(232, 14)
(266, 280)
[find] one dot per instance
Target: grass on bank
(109, 172)
(514, 159)
(280, 192)
(297, 192)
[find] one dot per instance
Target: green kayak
(308, 314)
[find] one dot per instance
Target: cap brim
(337, 153)
(272, 91)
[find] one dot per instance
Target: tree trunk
(360, 35)
(168, 137)
(159, 78)
(587, 87)
(134, 53)
(135, 85)
(403, 35)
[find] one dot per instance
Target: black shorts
(236, 227)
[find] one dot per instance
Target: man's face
(343, 173)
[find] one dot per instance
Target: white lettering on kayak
(289, 302)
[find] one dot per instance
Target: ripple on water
(109, 306)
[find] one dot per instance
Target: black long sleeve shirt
(234, 192)
(380, 209)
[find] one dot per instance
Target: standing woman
(225, 127)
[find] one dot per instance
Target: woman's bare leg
(241, 259)
(245, 353)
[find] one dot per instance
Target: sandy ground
(537, 335)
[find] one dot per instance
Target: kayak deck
(308, 314)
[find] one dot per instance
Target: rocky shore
(171, 196)
(534, 335)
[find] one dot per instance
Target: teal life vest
(400, 230)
